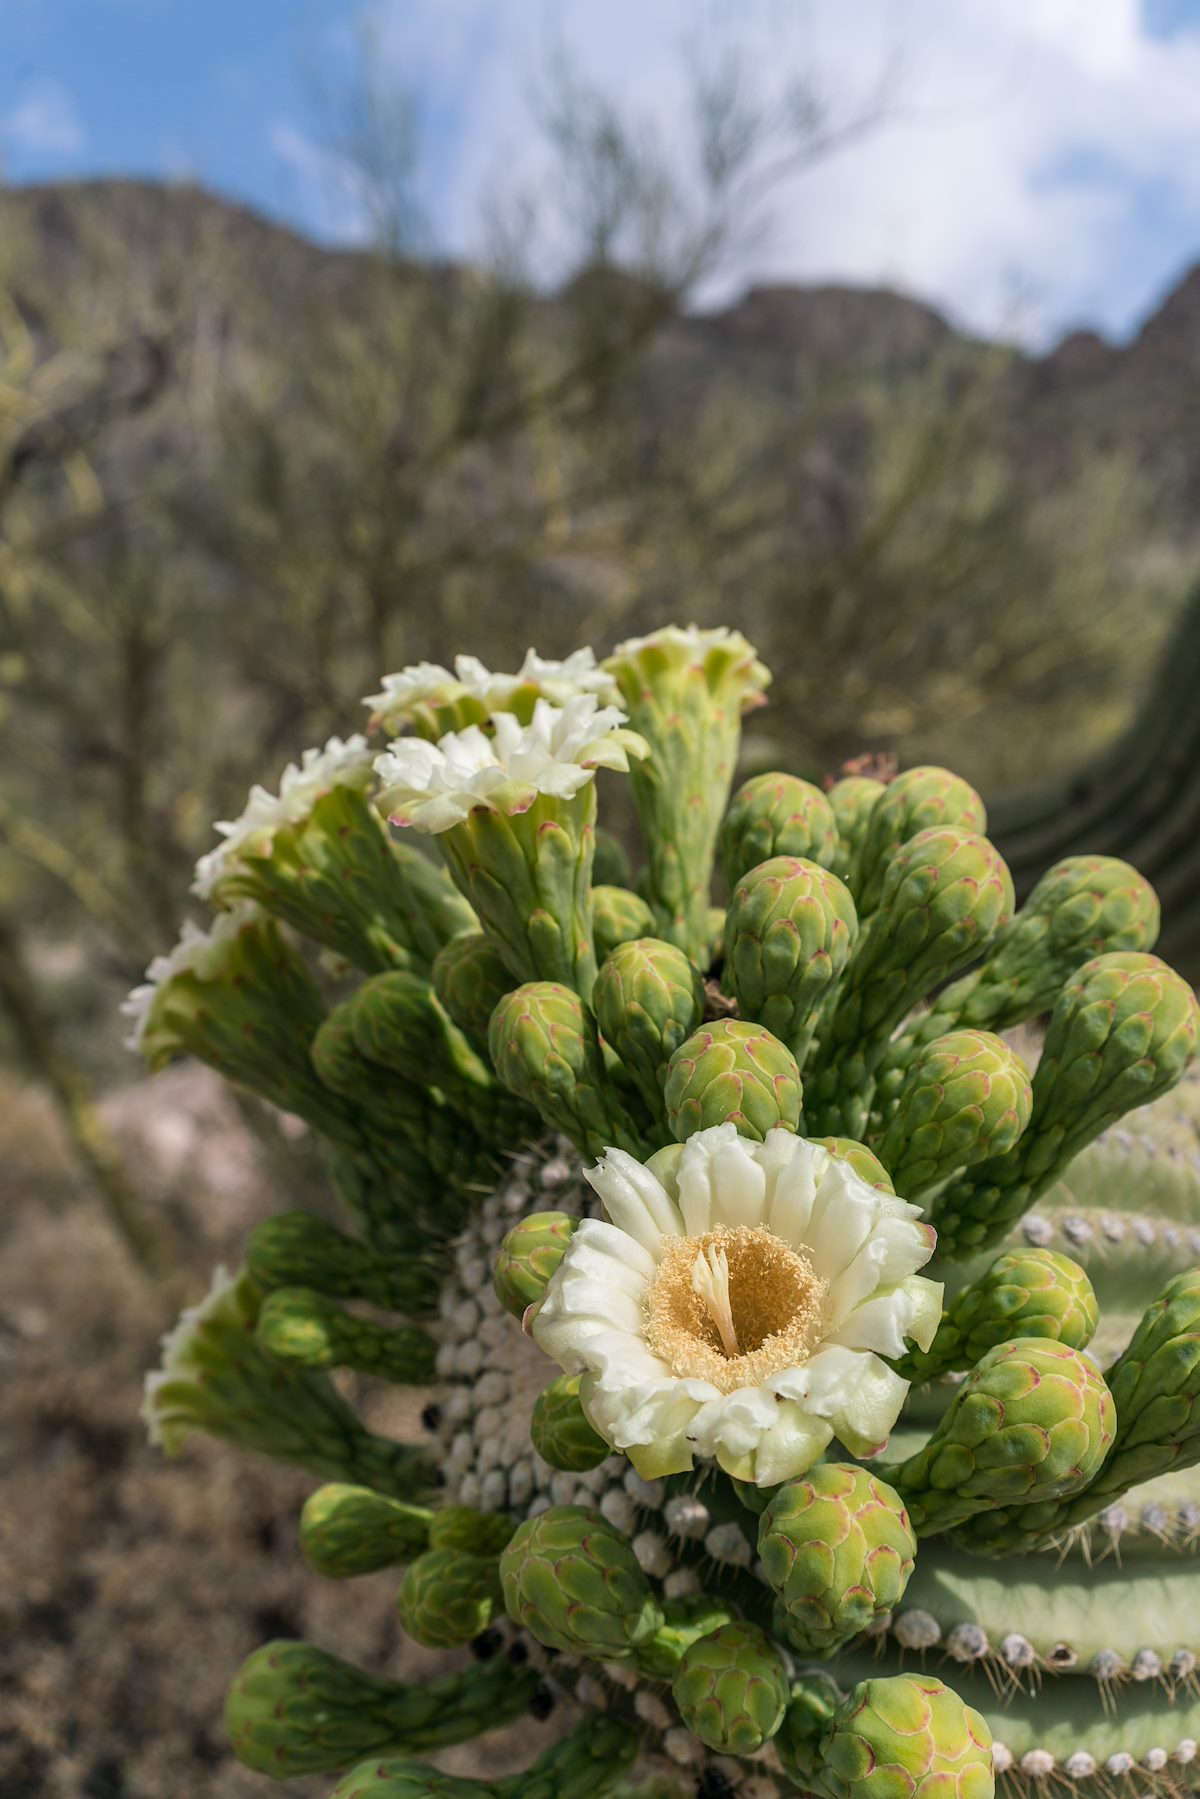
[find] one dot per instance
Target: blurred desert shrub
(241, 477)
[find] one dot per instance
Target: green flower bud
(837, 1547)
(731, 1688)
(813, 1705)
(920, 799)
(910, 1736)
(945, 894)
(1025, 1293)
(1123, 1031)
(735, 1072)
(853, 800)
(545, 1049)
(648, 999)
(350, 1530)
(863, 1161)
(295, 1710)
(294, 1249)
(477, 1533)
(1032, 1422)
(574, 1583)
(967, 1096)
(621, 916)
(776, 815)
(447, 1598)
(559, 1429)
(528, 1257)
(685, 1621)
(789, 932)
(304, 1327)
(470, 978)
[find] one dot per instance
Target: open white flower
(203, 951)
(557, 682)
(410, 689)
(341, 763)
(737, 1303)
(435, 786)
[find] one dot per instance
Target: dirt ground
(131, 1587)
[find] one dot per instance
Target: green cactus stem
(685, 692)
(216, 1377)
(295, 1710)
(294, 1249)
(305, 1328)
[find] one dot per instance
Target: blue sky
(1038, 164)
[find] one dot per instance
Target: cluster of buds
(727, 1238)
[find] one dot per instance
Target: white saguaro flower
(204, 953)
(341, 763)
(432, 787)
(737, 1302)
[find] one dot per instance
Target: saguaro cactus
(791, 1324)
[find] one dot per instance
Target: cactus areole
(816, 1370)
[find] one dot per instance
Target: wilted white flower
(428, 684)
(339, 764)
(201, 951)
(737, 1303)
(718, 654)
(228, 1302)
(434, 786)
(402, 694)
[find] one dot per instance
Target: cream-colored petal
(893, 1318)
(649, 1421)
(793, 1442)
(868, 1416)
(634, 1200)
(842, 1215)
(739, 1185)
(792, 1167)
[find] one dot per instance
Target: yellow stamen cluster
(733, 1307)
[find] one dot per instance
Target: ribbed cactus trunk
(1139, 799)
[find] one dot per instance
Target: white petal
(866, 1420)
(795, 1440)
(635, 1200)
(697, 1177)
(893, 1318)
(731, 1425)
(649, 1422)
(842, 1215)
(792, 1166)
(739, 1185)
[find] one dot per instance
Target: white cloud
(1042, 148)
(321, 186)
(44, 124)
